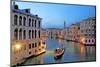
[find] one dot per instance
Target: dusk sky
(54, 15)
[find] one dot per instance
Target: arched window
(15, 19)
(32, 33)
(24, 21)
(20, 34)
(39, 33)
(85, 40)
(29, 46)
(39, 24)
(24, 34)
(92, 40)
(16, 33)
(32, 45)
(35, 44)
(32, 22)
(89, 40)
(35, 33)
(29, 34)
(35, 23)
(20, 20)
(29, 22)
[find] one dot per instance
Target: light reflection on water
(73, 52)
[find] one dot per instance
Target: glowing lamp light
(83, 40)
(17, 46)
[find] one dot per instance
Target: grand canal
(74, 52)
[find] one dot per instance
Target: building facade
(72, 32)
(44, 34)
(55, 33)
(25, 35)
(87, 31)
(83, 32)
(75, 32)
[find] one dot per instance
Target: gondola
(58, 53)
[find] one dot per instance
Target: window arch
(20, 20)
(16, 33)
(29, 34)
(32, 22)
(29, 22)
(39, 24)
(24, 34)
(20, 34)
(15, 19)
(35, 44)
(35, 23)
(29, 46)
(24, 21)
(89, 40)
(35, 33)
(32, 45)
(92, 40)
(32, 33)
(39, 33)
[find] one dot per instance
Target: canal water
(74, 52)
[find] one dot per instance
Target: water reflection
(35, 60)
(82, 51)
(58, 60)
(73, 52)
(90, 53)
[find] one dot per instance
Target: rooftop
(24, 11)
